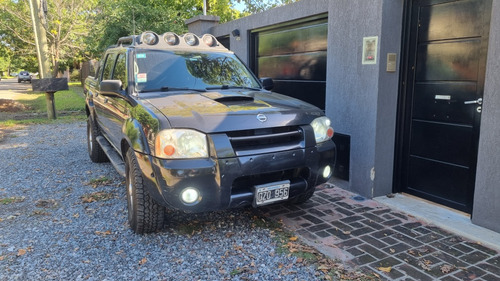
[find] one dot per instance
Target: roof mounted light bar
(149, 38)
(170, 40)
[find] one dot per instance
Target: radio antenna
(133, 25)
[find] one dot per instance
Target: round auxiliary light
(209, 40)
(327, 172)
(191, 39)
(190, 195)
(150, 38)
(171, 38)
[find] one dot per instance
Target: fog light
(327, 171)
(190, 195)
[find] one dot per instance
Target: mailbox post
(50, 86)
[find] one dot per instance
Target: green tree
(118, 18)
(4, 59)
(66, 25)
(16, 47)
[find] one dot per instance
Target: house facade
(411, 87)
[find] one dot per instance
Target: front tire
(96, 153)
(144, 214)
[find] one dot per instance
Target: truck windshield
(159, 69)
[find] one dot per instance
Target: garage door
(295, 57)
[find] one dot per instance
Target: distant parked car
(24, 76)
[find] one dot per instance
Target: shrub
(75, 75)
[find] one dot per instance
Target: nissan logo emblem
(261, 117)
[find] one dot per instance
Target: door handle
(478, 101)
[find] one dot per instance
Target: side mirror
(111, 86)
(267, 83)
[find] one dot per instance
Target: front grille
(262, 140)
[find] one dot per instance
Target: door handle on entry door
(478, 101)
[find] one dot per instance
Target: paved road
(10, 90)
(10, 86)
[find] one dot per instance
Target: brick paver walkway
(370, 236)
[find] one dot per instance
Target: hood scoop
(228, 98)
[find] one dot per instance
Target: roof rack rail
(127, 39)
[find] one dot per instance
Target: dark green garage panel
(295, 57)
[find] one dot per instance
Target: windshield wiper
(225, 87)
(167, 89)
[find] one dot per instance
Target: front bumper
(228, 182)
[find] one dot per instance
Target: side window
(98, 72)
(120, 72)
(93, 68)
(108, 66)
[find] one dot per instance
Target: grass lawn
(70, 100)
(31, 108)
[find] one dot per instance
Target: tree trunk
(51, 106)
(55, 71)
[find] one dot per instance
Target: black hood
(229, 110)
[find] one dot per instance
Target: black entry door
(443, 90)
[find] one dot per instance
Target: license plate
(271, 192)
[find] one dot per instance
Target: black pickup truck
(192, 129)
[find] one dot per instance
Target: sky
(239, 6)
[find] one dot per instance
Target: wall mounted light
(236, 34)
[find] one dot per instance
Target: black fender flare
(135, 137)
(89, 105)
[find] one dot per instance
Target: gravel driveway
(63, 217)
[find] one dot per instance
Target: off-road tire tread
(149, 216)
(97, 155)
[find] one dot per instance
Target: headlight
(322, 129)
(181, 144)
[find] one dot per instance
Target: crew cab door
(101, 100)
(112, 108)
